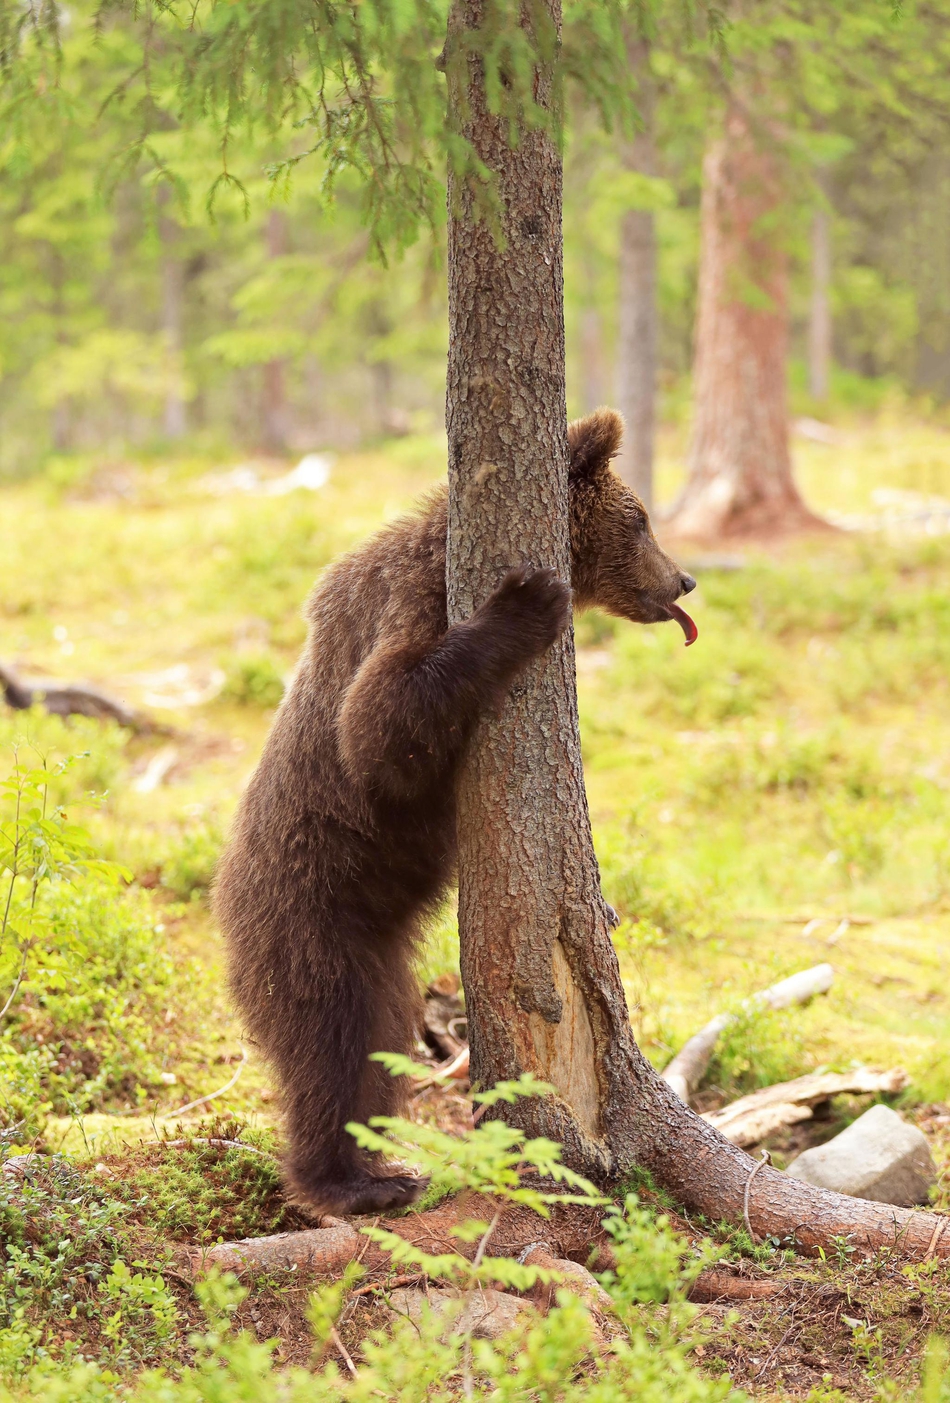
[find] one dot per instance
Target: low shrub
(85, 973)
(254, 681)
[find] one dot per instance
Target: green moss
(201, 1192)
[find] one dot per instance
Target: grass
(790, 767)
(777, 796)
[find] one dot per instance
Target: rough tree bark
(819, 319)
(273, 392)
(740, 473)
(542, 981)
(638, 321)
(530, 909)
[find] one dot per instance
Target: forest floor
(776, 797)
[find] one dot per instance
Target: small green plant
(67, 1240)
(760, 1047)
(83, 971)
(188, 869)
(254, 681)
(842, 1249)
(868, 1344)
(145, 1315)
(39, 850)
(490, 1159)
(224, 1181)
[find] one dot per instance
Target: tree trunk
(534, 927)
(740, 477)
(173, 299)
(637, 342)
(819, 321)
(273, 391)
(592, 352)
(61, 417)
(542, 982)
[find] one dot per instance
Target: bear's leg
(412, 706)
(328, 1082)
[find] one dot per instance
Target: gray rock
(20, 1167)
(484, 1314)
(879, 1157)
(584, 1284)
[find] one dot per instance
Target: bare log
(317, 1250)
(72, 699)
(753, 1117)
(712, 1286)
(685, 1072)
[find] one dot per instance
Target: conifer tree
(542, 978)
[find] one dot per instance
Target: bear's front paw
(534, 605)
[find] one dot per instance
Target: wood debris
(753, 1118)
(685, 1072)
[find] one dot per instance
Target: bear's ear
(593, 441)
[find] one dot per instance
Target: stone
(584, 1284)
(485, 1314)
(879, 1157)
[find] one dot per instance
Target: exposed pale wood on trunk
(740, 473)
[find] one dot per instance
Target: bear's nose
(687, 584)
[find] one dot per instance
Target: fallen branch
(712, 1286)
(212, 1140)
(685, 1072)
(342, 1351)
(752, 1118)
(455, 1069)
(72, 699)
(390, 1285)
(211, 1096)
(318, 1250)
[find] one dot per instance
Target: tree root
(710, 1176)
(570, 1232)
(328, 1250)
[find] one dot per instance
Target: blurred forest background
(222, 363)
(141, 312)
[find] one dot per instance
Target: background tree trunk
(819, 320)
(740, 475)
(542, 982)
(273, 387)
(173, 301)
(637, 340)
(592, 352)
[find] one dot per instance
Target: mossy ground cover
(777, 796)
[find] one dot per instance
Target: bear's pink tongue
(685, 623)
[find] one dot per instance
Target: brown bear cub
(345, 837)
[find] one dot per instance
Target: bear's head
(616, 562)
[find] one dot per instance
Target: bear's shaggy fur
(345, 837)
